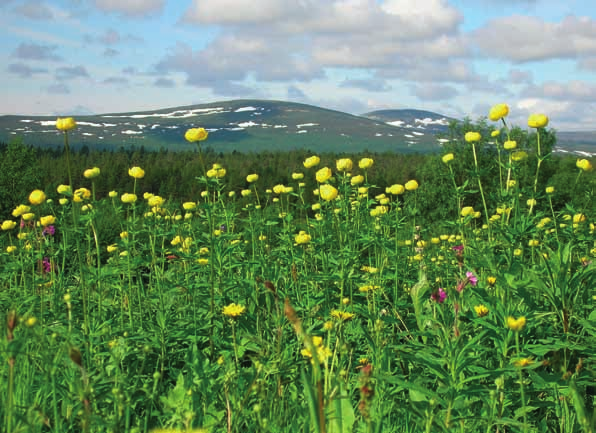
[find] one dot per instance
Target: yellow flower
(517, 252)
(411, 185)
(11, 249)
(579, 218)
(516, 324)
(472, 137)
(537, 121)
(510, 145)
(233, 310)
(323, 175)
(357, 180)
(136, 172)
(550, 189)
(519, 155)
(251, 178)
(481, 310)
(28, 216)
(498, 111)
(396, 189)
(47, 220)
(63, 201)
(203, 261)
(113, 194)
(466, 211)
(491, 280)
(189, 205)
(311, 161)
(378, 211)
(37, 197)
(511, 183)
(245, 192)
(584, 164)
(195, 134)
(369, 269)
(297, 176)
(63, 189)
(447, 158)
(495, 133)
(216, 171)
(342, 315)
(302, 238)
(155, 201)
(8, 225)
(523, 362)
(327, 192)
(30, 322)
(368, 288)
(365, 163)
(112, 248)
(90, 173)
(531, 202)
(533, 242)
(65, 124)
(81, 194)
(279, 189)
(128, 198)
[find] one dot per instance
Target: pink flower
(471, 278)
(439, 296)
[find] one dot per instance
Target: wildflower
(466, 211)
(579, 218)
(124, 235)
(203, 261)
(91, 173)
(531, 202)
(439, 295)
(323, 352)
(369, 269)
(510, 145)
(233, 310)
(342, 315)
(511, 183)
(517, 252)
(495, 133)
(11, 249)
(311, 161)
(357, 180)
(411, 185)
(65, 124)
(520, 155)
(30, 322)
(128, 198)
(368, 288)
(365, 163)
(537, 121)
(328, 325)
(516, 324)
(481, 310)
(533, 242)
(523, 362)
(196, 134)
(63, 189)
(302, 238)
(245, 192)
(81, 194)
(63, 201)
(472, 137)
(327, 192)
(216, 171)
(396, 189)
(136, 172)
(113, 194)
(491, 280)
(584, 164)
(251, 178)
(123, 254)
(448, 157)
(297, 176)
(37, 197)
(279, 189)
(47, 220)
(550, 189)
(378, 211)
(472, 278)
(28, 216)
(498, 111)
(189, 205)
(155, 201)
(112, 248)
(323, 175)
(8, 225)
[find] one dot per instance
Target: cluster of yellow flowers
(323, 352)
(233, 310)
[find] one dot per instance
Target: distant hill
(256, 126)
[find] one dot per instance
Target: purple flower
(471, 278)
(223, 228)
(439, 296)
(46, 265)
(48, 231)
(458, 248)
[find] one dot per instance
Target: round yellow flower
(28, 216)
(472, 137)
(155, 201)
(47, 220)
(491, 280)
(11, 249)
(65, 124)
(447, 158)
(510, 145)
(189, 205)
(113, 194)
(579, 218)
(537, 121)
(196, 134)
(357, 180)
(245, 192)
(112, 248)
(497, 112)
(8, 225)
(81, 194)
(311, 161)
(128, 198)
(297, 176)
(136, 172)
(327, 192)
(90, 173)
(481, 310)
(63, 201)
(251, 178)
(396, 189)
(411, 185)
(365, 163)
(516, 324)
(63, 189)
(495, 133)
(344, 164)
(533, 243)
(550, 189)
(584, 164)
(531, 202)
(217, 171)
(519, 155)
(302, 238)
(233, 310)
(467, 210)
(323, 175)
(37, 197)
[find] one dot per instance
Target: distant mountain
(256, 126)
(240, 125)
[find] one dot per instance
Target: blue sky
(456, 57)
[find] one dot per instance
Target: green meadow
(204, 292)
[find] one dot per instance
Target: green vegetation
(216, 292)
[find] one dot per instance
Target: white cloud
(132, 8)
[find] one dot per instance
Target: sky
(454, 57)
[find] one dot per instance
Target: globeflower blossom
(537, 121)
(498, 111)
